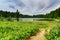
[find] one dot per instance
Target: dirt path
(39, 36)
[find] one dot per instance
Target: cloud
(30, 7)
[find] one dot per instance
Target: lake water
(29, 19)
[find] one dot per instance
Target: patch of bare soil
(39, 36)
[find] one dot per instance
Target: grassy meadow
(13, 30)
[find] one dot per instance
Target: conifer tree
(17, 15)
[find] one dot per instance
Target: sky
(29, 7)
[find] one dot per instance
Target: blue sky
(30, 7)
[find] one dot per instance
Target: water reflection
(31, 19)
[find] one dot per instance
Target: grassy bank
(21, 30)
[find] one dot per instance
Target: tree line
(6, 14)
(52, 14)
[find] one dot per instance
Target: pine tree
(17, 15)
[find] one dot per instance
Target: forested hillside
(53, 14)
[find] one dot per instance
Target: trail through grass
(41, 34)
(23, 30)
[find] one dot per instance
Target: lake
(30, 19)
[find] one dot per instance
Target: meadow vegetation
(18, 30)
(54, 33)
(21, 30)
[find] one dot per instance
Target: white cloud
(30, 7)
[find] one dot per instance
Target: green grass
(54, 33)
(21, 30)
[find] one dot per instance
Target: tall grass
(10, 30)
(19, 30)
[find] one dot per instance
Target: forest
(52, 14)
